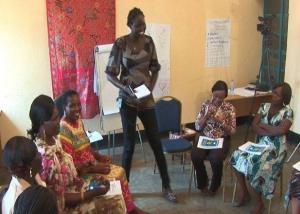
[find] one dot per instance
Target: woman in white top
(24, 162)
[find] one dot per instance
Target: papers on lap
(253, 148)
(94, 136)
(210, 143)
(141, 91)
(297, 166)
(114, 189)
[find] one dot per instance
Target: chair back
(168, 114)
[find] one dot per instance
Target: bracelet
(82, 195)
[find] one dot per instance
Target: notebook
(141, 91)
(114, 189)
(297, 166)
(210, 143)
(253, 148)
(94, 136)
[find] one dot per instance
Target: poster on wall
(217, 49)
(161, 35)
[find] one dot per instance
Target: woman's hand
(104, 159)
(220, 118)
(102, 168)
(102, 187)
(263, 126)
(129, 91)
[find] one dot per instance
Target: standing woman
(87, 161)
(133, 62)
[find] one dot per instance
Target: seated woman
(271, 123)
(75, 142)
(21, 157)
(293, 193)
(73, 193)
(36, 199)
(216, 119)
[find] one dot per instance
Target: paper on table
(243, 92)
(253, 148)
(94, 136)
(297, 166)
(115, 188)
(141, 91)
(210, 143)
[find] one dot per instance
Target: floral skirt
(116, 173)
(262, 171)
(100, 205)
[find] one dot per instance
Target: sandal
(169, 195)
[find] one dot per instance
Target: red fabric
(75, 27)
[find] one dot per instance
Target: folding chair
(168, 115)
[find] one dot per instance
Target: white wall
(24, 62)
(292, 70)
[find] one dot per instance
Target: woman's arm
(73, 199)
(101, 158)
(201, 121)
(279, 130)
(114, 63)
(227, 120)
(154, 77)
(207, 111)
(268, 130)
(256, 127)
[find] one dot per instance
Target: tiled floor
(146, 186)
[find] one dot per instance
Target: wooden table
(243, 104)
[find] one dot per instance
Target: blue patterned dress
(262, 170)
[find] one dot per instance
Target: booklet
(114, 189)
(210, 143)
(94, 136)
(253, 148)
(297, 166)
(141, 91)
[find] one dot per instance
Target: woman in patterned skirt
(74, 194)
(271, 123)
(87, 161)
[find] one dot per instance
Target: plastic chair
(168, 115)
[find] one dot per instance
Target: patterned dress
(76, 143)
(135, 68)
(60, 175)
(212, 128)
(262, 170)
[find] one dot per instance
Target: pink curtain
(75, 27)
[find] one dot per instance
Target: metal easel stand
(113, 133)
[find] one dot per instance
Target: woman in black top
(133, 62)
